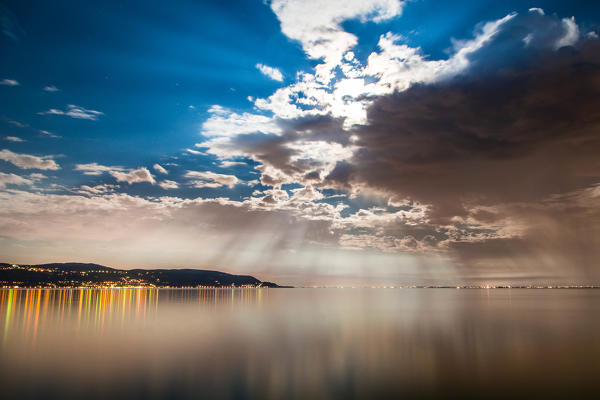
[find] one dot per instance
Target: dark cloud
(560, 242)
(275, 151)
(505, 155)
(520, 135)
(511, 147)
(522, 39)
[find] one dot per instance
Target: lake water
(299, 343)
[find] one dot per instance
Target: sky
(356, 142)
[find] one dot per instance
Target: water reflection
(22, 311)
(300, 343)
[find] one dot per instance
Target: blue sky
(142, 66)
(153, 101)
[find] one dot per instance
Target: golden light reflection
(23, 311)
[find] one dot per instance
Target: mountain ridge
(73, 274)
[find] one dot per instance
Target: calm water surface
(299, 343)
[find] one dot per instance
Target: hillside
(93, 275)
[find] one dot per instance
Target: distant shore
(82, 275)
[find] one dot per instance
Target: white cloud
(166, 184)
(12, 179)
(74, 111)
(270, 72)
(18, 124)
(96, 169)
(133, 176)
(224, 122)
(49, 134)
(395, 67)
(13, 139)
(195, 152)
(119, 173)
(158, 168)
(399, 66)
(208, 179)
(9, 82)
(98, 189)
(537, 10)
(228, 164)
(320, 153)
(311, 95)
(307, 193)
(36, 176)
(316, 24)
(26, 161)
(571, 35)
(51, 88)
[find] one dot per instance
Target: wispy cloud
(51, 88)
(195, 152)
(121, 174)
(49, 134)
(158, 168)
(537, 10)
(18, 124)
(9, 82)
(27, 161)
(270, 72)
(166, 184)
(13, 139)
(95, 169)
(9, 24)
(74, 111)
(207, 179)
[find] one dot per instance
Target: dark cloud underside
(515, 138)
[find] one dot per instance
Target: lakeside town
(75, 275)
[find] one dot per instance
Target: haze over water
(298, 343)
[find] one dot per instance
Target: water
(299, 343)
